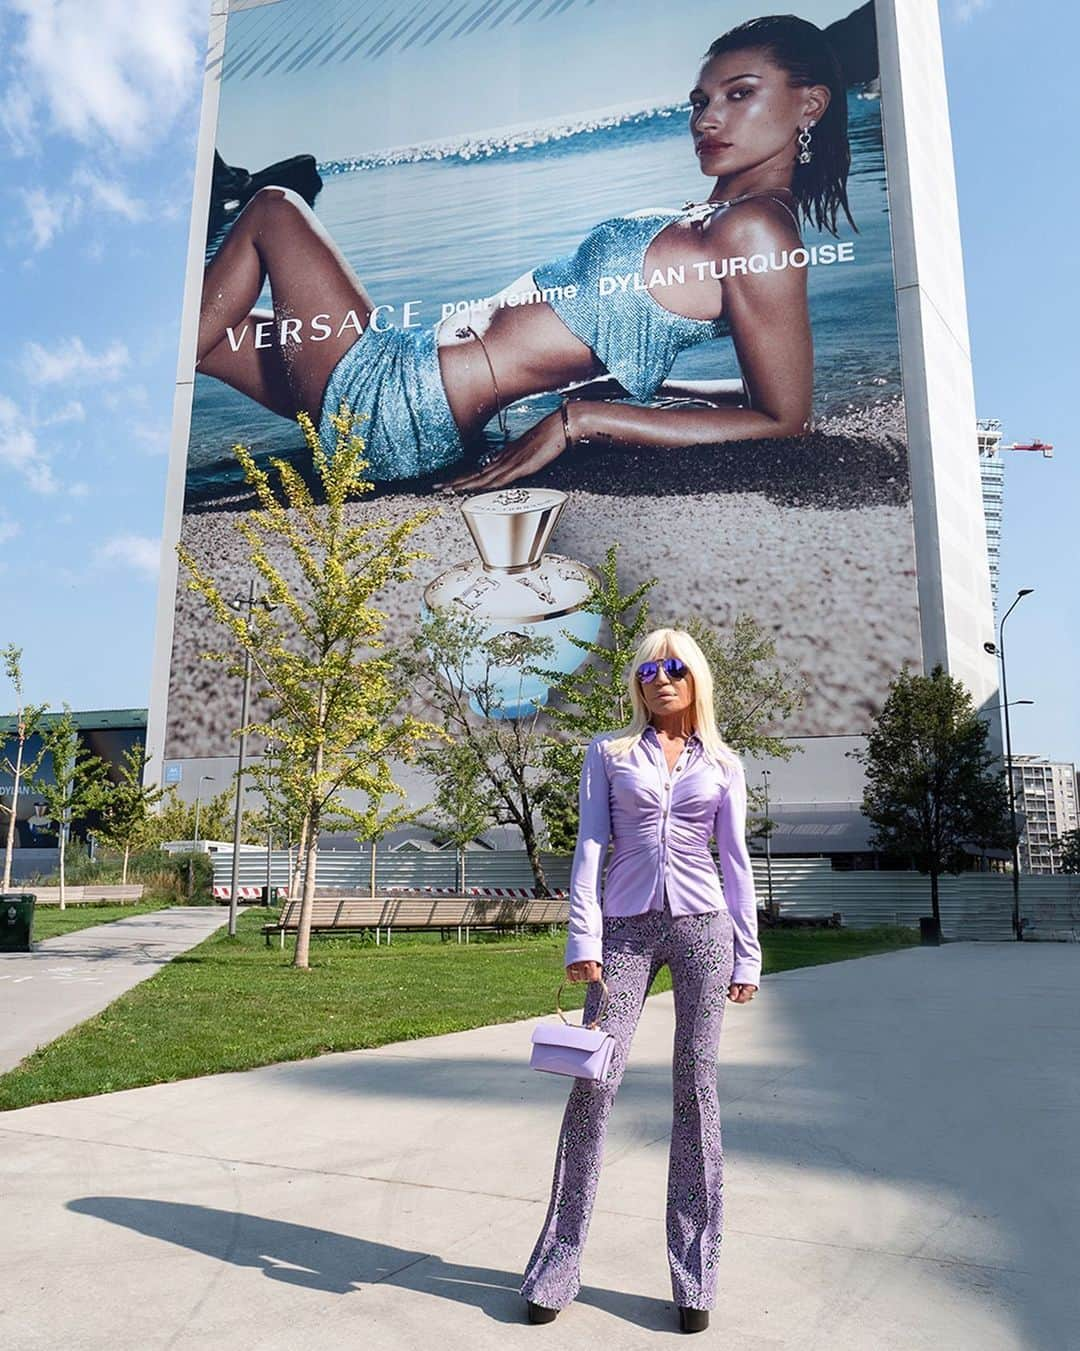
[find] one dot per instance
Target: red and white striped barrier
(245, 893)
(223, 893)
(525, 893)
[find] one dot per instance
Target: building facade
(1046, 793)
(107, 733)
(900, 573)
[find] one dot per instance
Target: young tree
(27, 719)
(77, 786)
(1070, 851)
(591, 699)
(463, 803)
(932, 783)
(454, 667)
(126, 807)
(282, 816)
(331, 692)
(751, 692)
(175, 818)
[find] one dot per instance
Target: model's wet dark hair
(804, 52)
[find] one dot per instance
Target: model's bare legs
(278, 236)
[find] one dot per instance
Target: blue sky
(98, 120)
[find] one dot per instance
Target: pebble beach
(812, 536)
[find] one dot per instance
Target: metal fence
(973, 905)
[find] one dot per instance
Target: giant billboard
(616, 271)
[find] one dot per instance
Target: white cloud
(72, 411)
(108, 195)
(69, 362)
(152, 436)
(137, 552)
(965, 10)
(19, 449)
(17, 118)
(110, 70)
(78, 490)
(8, 529)
(126, 398)
(48, 214)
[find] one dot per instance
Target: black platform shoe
(693, 1320)
(539, 1314)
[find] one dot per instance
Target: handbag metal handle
(603, 1004)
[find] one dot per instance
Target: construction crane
(1045, 447)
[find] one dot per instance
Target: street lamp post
(268, 754)
(205, 778)
(234, 890)
(765, 773)
(1018, 931)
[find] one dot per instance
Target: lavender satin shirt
(660, 825)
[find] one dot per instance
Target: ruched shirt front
(659, 825)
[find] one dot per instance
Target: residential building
(992, 476)
(1046, 794)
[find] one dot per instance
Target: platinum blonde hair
(674, 643)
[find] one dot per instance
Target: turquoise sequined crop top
(630, 331)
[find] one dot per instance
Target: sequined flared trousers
(700, 953)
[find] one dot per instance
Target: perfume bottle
(517, 590)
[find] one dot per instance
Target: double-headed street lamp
(998, 649)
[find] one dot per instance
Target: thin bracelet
(499, 413)
(566, 426)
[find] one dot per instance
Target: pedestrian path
(899, 1136)
(67, 979)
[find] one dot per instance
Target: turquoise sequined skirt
(393, 379)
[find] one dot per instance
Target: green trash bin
(16, 920)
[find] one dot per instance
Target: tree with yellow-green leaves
(27, 719)
(327, 684)
(125, 811)
(76, 786)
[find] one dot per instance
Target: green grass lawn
(231, 1004)
(50, 921)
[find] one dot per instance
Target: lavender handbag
(562, 1048)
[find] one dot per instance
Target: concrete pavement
(900, 1137)
(68, 979)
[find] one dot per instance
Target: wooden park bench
(384, 914)
(88, 894)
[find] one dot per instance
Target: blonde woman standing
(658, 790)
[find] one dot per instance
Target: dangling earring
(805, 153)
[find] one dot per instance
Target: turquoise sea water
(461, 222)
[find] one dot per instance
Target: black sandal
(539, 1314)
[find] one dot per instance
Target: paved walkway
(68, 979)
(901, 1138)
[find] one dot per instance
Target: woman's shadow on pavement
(319, 1259)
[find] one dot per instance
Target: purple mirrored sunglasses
(674, 667)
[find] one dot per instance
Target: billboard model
(589, 273)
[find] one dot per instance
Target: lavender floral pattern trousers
(700, 952)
